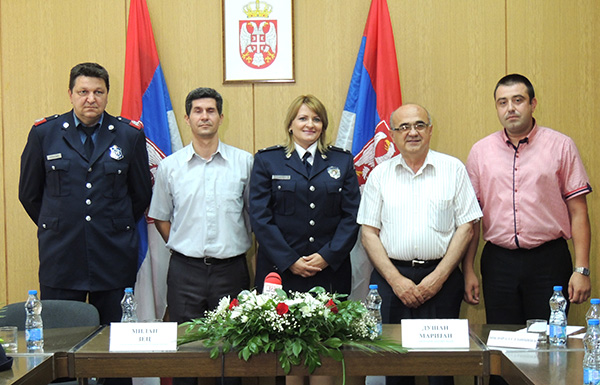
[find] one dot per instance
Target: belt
(416, 262)
(211, 260)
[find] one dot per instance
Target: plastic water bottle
(373, 305)
(129, 306)
(594, 310)
(591, 359)
(558, 318)
(34, 327)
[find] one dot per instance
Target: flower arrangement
(301, 327)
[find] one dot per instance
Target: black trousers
(194, 287)
(108, 302)
(517, 284)
(445, 304)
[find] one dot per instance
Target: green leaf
(297, 348)
(333, 342)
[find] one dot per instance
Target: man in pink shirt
(532, 187)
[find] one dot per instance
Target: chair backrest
(55, 314)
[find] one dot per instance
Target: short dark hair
(201, 93)
(511, 79)
(93, 70)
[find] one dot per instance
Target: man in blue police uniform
(85, 182)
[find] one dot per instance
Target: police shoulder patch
(44, 120)
(339, 149)
(137, 124)
(278, 146)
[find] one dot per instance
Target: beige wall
(450, 55)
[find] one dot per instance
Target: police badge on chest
(115, 152)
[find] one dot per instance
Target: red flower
(282, 308)
(234, 303)
(332, 306)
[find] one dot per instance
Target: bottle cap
(593, 321)
(595, 301)
(32, 292)
(557, 288)
(128, 290)
(372, 286)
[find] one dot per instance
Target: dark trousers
(194, 287)
(445, 304)
(517, 284)
(108, 302)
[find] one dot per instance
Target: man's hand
(580, 288)
(407, 292)
(471, 295)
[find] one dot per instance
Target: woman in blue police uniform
(304, 200)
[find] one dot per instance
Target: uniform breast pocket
(284, 195)
(232, 200)
(334, 198)
(441, 215)
(116, 176)
(57, 177)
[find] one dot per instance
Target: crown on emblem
(260, 9)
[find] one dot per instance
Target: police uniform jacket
(86, 209)
(294, 214)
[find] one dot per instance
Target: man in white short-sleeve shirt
(417, 213)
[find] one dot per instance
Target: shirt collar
(77, 121)
(312, 149)
(221, 151)
(429, 161)
(532, 134)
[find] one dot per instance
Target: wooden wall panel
(188, 37)
(554, 44)
(41, 41)
(451, 67)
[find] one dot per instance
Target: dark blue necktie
(88, 145)
(306, 162)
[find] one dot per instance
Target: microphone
(272, 283)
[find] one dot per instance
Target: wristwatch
(582, 270)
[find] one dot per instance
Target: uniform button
(340, 189)
(311, 222)
(90, 169)
(311, 239)
(312, 188)
(88, 185)
(44, 225)
(88, 218)
(53, 168)
(312, 205)
(88, 202)
(278, 187)
(128, 227)
(119, 172)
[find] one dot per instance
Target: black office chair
(55, 314)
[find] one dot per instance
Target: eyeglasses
(406, 127)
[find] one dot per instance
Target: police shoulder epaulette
(133, 123)
(44, 120)
(334, 148)
(270, 148)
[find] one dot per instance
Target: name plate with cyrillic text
(435, 333)
(504, 339)
(143, 337)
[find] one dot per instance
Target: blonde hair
(318, 108)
